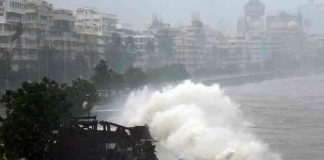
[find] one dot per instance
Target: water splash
(195, 122)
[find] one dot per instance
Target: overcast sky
(220, 14)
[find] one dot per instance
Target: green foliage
(130, 44)
(3, 69)
(116, 81)
(79, 92)
(166, 42)
(19, 30)
(232, 69)
(150, 47)
(102, 73)
(53, 65)
(134, 78)
(50, 63)
(34, 111)
(120, 53)
(167, 74)
(105, 78)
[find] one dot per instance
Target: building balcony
(63, 17)
(4, 45)
(13, 20)
(15, 10)
(6, 33)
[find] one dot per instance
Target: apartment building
(191, 45)
(63, 37)
(91, 21)
(97, 28)
(11, 13)
(145, 50)
(36, 22)
(253, 20)
(285, 33)
(35, 15)
(251, 36)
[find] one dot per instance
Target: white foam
(195, 122)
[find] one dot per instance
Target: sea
(287, 114)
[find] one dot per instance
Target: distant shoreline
(233, 80)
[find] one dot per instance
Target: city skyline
(219, 14)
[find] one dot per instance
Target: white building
(35, 15)
(145, 50)
(314, 51)
(251, 36)
(287, 39)
(191, 45)
(63, 37)
(97, 28)
(253, 20)
(91, 21)
(11, 12)
(37, 21)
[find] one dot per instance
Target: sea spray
(195, 122)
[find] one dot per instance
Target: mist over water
(286, 113)
(194, 121)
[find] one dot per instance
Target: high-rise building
(145, 50)
(63, 37)
(314, 51)
(251, 36)
(37, 19)
(35, 16)
(97, 29)
(287, 39)
(11, 13)
(91, 21)
(191, 44)
(253, 20)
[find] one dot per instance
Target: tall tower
(254, 15)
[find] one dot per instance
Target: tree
(116, 81)
(167, 74)
(33, 113)
(130, 45)
(166, 44)
(134, 77)
(5, 69)
(51, 64)
(19, 30)
(150, 50)
(106, 78)
(121, 56)
(102, 74)
(84, 68)
(79, 92)
(232, 69)
(149, 47)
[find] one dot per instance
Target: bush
(34, 112)
(167, 74)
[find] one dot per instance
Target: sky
(219, 14)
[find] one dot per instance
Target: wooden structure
(84, 138)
